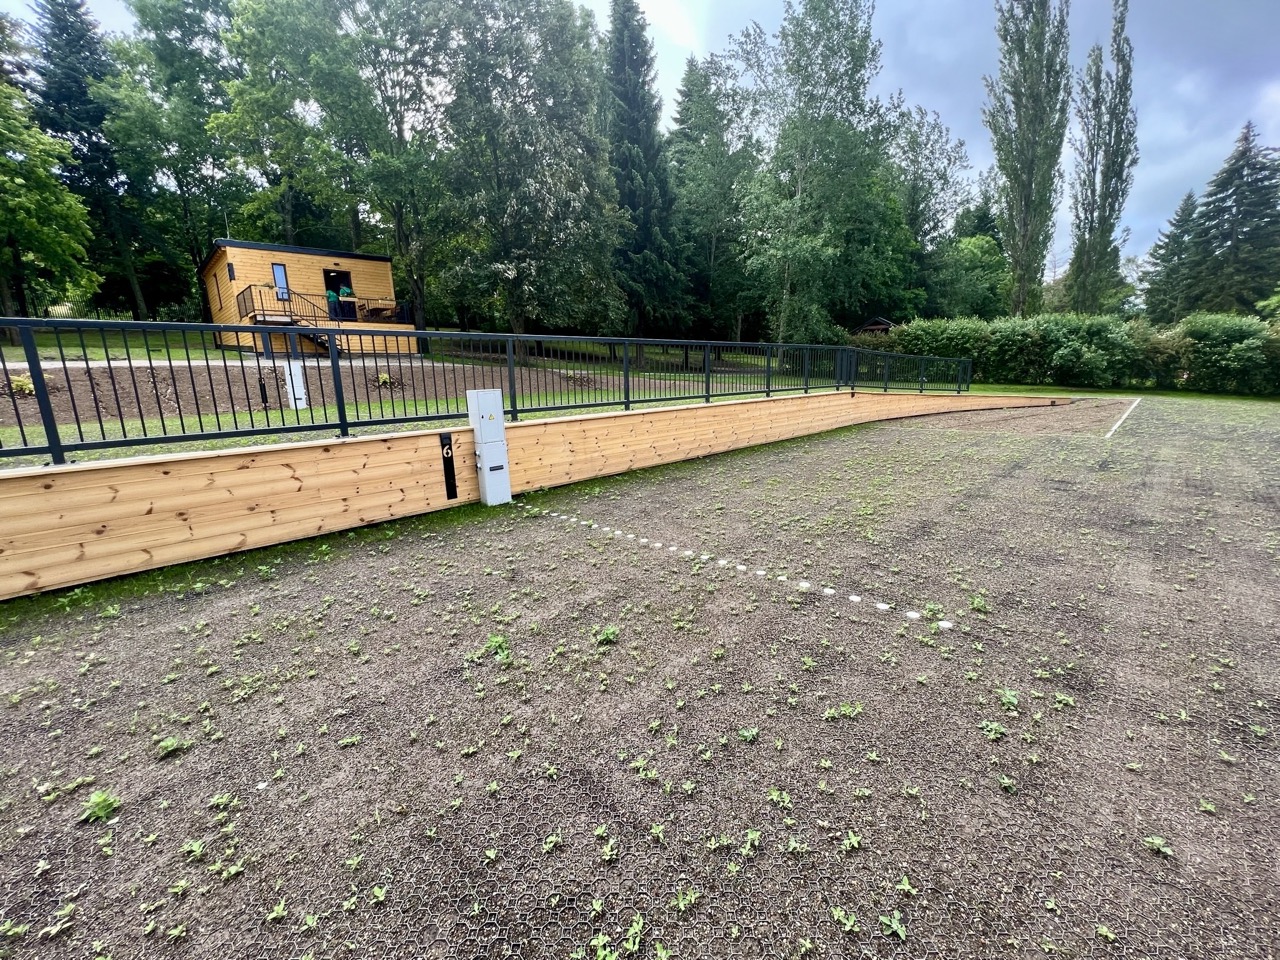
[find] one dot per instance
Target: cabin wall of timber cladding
(75, 524)
(304, 276)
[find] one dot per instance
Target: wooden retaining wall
(70, 525)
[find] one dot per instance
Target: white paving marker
(803, 585)
(945, 624)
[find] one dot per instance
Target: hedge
(1214, 353)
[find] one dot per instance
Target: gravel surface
(601, 719)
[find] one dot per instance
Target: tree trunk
(8, 307)
(18, 288)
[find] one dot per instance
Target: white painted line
(688, 553)
(722, 562)
(945, 624)
(761, 573)
(828, 592)
(804, 584)
(854, 598)
(912, 615)
(741, 569)
(882, 606)
(706, 556)
(1122, 419)
(782, 579)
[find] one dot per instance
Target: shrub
(21, 385)
(1225, 353)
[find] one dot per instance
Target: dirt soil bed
(601, 724)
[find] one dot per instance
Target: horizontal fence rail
(68, 386)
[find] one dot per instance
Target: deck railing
(73, 386)
(265, 303)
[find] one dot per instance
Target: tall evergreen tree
(707, 160)
(1235, 238)
(1168, 293)
(1028, 105)
(1106, 147)
(648, 262)
(70, 62)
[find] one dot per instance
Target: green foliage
(1217, 353)
(1235, 236)
(1167, 279)
(1106, 148)
(100, 806)
(646, 263)
(1027, 110)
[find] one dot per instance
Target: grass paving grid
(1122, 591)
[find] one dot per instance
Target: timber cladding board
(71, 525)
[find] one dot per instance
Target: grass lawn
(971, 686)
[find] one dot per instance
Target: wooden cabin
(286, 290)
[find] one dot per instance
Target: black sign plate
(446, 457)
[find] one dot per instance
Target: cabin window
(231, 271)
(338, 282)
(281, 278)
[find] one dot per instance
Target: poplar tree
(1029, 101)
(1168, 292)
(1106, 147)
(647, 267)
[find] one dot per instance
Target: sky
(1200, 71)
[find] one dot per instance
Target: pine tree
(1235, 238)
(1029, 102)
(70, 60)
(1106, 152)
(706, 163)
(1167, 290)
(647, 261)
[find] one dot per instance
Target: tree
(1166, 278)
(1235, 236)
(931, 189)
(43, 226)
(273, 121)
(708, 158)
(70, 63)
(972, 279)
(978, 218)
(647, 258)
(825, 237)
(530, 167)
(1106, 147)
(1028, 105)
(172, 78)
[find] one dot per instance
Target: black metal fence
(68, 386)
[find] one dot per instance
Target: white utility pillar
(488, 423)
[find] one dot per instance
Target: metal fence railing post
(922, 381)
(706, 369)
(626, 375)
(885, 360)
(36, 372)
(808, 352)
(768, 370)
(339, 392)
(857, 357)
(511, 377)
